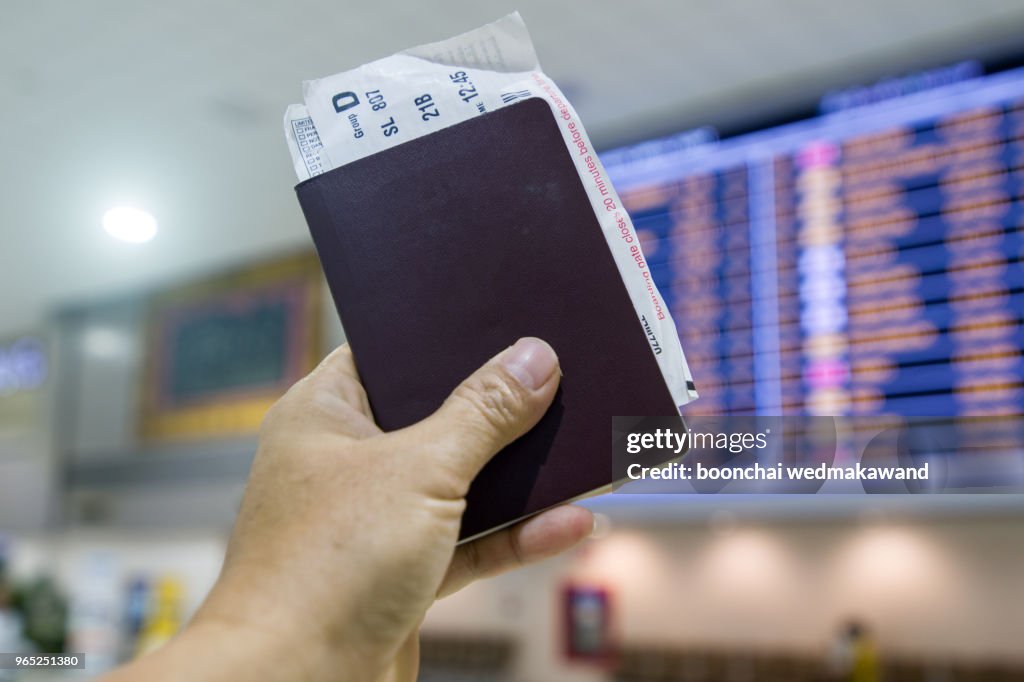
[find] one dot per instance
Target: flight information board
(863, 262)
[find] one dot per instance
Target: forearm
(218, 652)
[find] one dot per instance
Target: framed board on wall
(588, 632)
(220, 351)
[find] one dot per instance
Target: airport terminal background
(862, 259)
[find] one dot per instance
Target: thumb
(493, 407)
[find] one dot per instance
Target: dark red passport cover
(444, 250)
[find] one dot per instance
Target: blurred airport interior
(829, 196)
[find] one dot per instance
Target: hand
(347, 535)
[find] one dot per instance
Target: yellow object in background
(164, 617)
(865, 662)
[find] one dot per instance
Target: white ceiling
(176, 106)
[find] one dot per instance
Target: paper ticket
(360, 112)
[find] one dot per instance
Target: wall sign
(23, 365)
(221, 351)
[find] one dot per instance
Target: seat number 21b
(427, 107)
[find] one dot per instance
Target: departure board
(864, 262)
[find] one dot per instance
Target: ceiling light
(129, 224)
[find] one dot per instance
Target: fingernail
(531, 361)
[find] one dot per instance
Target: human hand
(347, 535)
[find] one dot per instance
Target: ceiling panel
(177, 106)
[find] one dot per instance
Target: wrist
(248, 649)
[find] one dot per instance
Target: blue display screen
(864, 262)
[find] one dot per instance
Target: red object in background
(587, 616)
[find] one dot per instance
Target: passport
(442, 251)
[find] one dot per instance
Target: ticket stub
(357, 113)
(304, 142)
